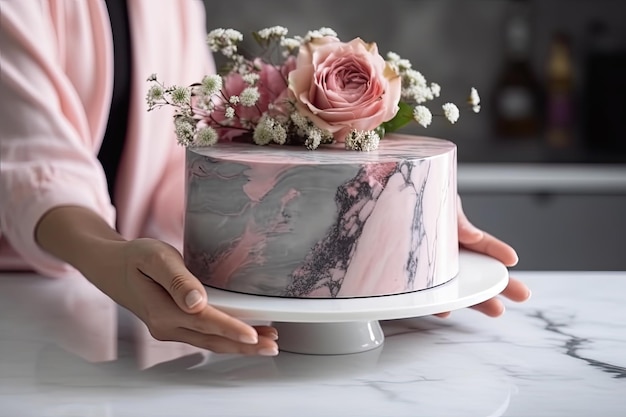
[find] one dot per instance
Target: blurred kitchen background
(543, 165)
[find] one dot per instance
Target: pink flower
(344, 86)
(272, 85)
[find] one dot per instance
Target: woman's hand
(159, 289)
(149, 278)
(474, 239)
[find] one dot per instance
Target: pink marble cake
(285, 221)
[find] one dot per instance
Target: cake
(285, 221)
(297, 185)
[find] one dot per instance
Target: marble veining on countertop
(563, 353)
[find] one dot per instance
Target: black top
(115, 134)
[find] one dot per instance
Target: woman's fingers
(472, 238)
(468, 233)
(165, 265)
(214, 321)
(494, 248)
(162, 316)
(516, 291)
(267, 331)
(219, 344)
(210, 329)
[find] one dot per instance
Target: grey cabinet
(575, 225)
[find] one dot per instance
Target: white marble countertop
(563, 353)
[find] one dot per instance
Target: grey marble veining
(563, 353)
(271, 221)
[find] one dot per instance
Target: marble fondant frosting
(286, 221)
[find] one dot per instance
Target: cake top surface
(393, 147)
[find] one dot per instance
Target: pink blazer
(55, 90)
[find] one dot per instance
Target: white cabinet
(554, 224)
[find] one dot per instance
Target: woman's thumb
(468, 233)
(169, 270)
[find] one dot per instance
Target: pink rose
(344, 86)
(272, 85)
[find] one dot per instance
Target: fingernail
(193, 298)
(268, 351)
(251, 339)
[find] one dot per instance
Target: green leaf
(259, 40)
(401, 119)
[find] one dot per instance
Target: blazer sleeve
(48, 142)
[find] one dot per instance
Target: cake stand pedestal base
(350, 325)
(329, 338)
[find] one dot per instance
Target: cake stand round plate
(350, 325)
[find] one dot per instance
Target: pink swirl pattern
(288, 222)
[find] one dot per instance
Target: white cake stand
(342, 326)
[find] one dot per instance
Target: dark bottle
(518, 93)
(603, 106)
(560, 94)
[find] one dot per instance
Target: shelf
(542, 178)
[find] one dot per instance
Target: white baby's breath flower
(155, 93)
(416, 93)
(251, 78)
(234, 100)
(299, 120)
(422, 115)
(205, 136)
(351, 140)
(404, 65)
(435, 89)
(180, 95)
(222, 36)
(325, 31)
(366, 141)
(474, 100)
(451, 111)
(212, 84)
(370, 142)
(184, 130)
(414, 77)
(392, 56)
(273, 32)
(224, 41)
(269, 130)
(234, 35)
(249, 96)
(290, 44)
(327, 136)
(280, 135)
(313, 138)
(229, 113)
(262, 136)
(415, 87)
(400, 65)
(319, 33)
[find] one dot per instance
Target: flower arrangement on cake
(304, 90)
